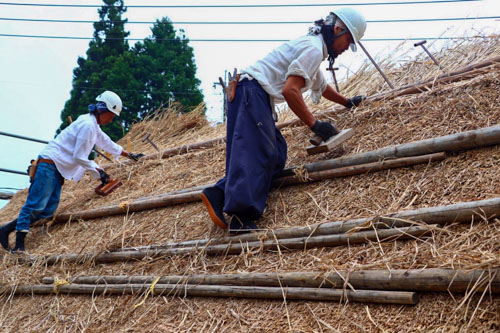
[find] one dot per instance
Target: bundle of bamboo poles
(402, 225)
(239, 247)
(401, 155)
(192, 195)
(387, 287)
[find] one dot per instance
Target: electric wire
(246, 5)
(232, 40)
(248, 22)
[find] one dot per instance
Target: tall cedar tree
(157, 71)
(103, 69)
(166, 67)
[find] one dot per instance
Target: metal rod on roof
(45, 142)
(23, 137)
(376, 66)
(14, 171)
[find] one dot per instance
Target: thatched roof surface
(464, 176)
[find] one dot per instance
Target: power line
(248, 22)
(244, 6)
(233, 40)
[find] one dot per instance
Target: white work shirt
(71, 148)
(298, 57)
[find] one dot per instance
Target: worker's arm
(334, 96)
(293, 96)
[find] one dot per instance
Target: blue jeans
(255, 151)
(43, 196)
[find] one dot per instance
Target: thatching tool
(376, 66)
(333, 69)
(147, 138)
(107, 185)
(322, 147)
(105, 189)
(430, 55)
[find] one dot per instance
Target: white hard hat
(355, 23)
(112, 100)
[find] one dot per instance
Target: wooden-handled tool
(316, 140)
(323, 147)
(105, 189)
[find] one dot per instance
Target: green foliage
(152, 73)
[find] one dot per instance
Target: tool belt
(34, 165)
(231, 86)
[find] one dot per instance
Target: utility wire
(233, 40)
(248, 22)
(245, 6)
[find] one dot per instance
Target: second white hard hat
(112, 100)
(355, 23)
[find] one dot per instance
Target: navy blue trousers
(255, 151)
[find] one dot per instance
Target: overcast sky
(36, 73)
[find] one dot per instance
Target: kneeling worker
(255, 149)
(66, 157)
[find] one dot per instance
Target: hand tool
(333, 69)
(107, 185)
(147, 138)
(323, 147)
(430, 55)
(105, 189)
(376, 66)
(232, 84)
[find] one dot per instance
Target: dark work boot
(241, 224)
(20, 235)
(5, 231)
(213, 198)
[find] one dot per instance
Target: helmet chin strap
(328, 33)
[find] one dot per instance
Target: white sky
(36, 74)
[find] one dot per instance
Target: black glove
(324, 129)
(354, 101)
(135, 157)
(104, 177)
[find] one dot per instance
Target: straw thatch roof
(465, 176)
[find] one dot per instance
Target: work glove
(354, 101)
(135, 157)
(324, 129)
(104, 177)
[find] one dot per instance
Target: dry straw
(467, 176)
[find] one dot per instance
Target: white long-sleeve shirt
(71, 148)
(299, 57)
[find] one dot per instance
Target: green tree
(166, 66)
(106, 56)
(159, 70)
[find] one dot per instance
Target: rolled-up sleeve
(306, 63)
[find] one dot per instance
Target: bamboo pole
(416, 88)
(430, 279)
(462, 212)
(360, 169)
(482, 137)
(295, 293)
(134, 206)
(450, 143)
(237, 248)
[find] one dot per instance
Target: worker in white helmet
(255, 148)
(66, 157)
